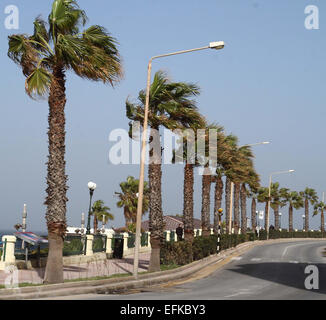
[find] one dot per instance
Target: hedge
(183, 252)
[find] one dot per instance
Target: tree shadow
(285, 273)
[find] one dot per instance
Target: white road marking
(291, 246)
(255, 259)
(236, 258)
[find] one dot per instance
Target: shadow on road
(285, 273)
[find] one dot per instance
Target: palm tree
(170, 106)
(276, 203)
(128, 199)
(263, 196)
(207, 175)
(230, 155)
(253, 194)
(100, 213)
(252, 180)
(294, 200)
(310, 196)
(45, 57)
(320, 207)
(218, 194)
(187, 154)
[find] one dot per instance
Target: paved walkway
(84, 270)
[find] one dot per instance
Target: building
(171, 223)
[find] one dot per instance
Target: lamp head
(220, 211)
(291, 170)
(91, 186)
(216, 45)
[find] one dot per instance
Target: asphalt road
(275, 271)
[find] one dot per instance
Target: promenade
(101, 268)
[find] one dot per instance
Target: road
(273, 271)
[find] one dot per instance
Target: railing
(172, 233)
(74, 245)
(131, 240)
(144, 239)
(99, 243)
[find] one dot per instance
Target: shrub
(73, 246)
(98, 244)
(178, 253)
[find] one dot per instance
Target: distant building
(171, 223)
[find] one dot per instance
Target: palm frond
(38, 83)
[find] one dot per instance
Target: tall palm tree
(320, 207)
(294, 200)
(247, 176)
(128, 199)
(207, 175)
(264, 198)
(252, 181)
(276, 203)
(218, 194)
(231, 157)
(187, 154)
(100, 213)
(170, 106)
(54, 48)
(253, 194)
(310, 196)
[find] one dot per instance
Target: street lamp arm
(178, 52)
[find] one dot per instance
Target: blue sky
(268, 83)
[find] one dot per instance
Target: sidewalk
(84, 270)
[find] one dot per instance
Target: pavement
(98, 268)
(269, 271)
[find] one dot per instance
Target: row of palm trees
(59, 45)
(172, 106)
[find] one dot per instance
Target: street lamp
(269, 197)
(280, 215)
(232, 184)
(217, 45)
(91, 187)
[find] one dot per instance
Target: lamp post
(269, 197)
(24, 223)
(91, 187)
(280, 215)
(212, 45)
(82, 222)
(232, 184)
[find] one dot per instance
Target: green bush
(74, 246)
(178, 253)
(98, 244)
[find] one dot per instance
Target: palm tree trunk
(218, 201)
(290, 218)
(276, 217)
(243, 199)
(236, 207)
(253, 214)
(322, 221)
(188, 202)
(155, 203)
(306, 213)
(227, 203)
(205, 209)
(95, 224)
(266, 221)
(56, 179)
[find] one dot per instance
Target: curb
(115, 285)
